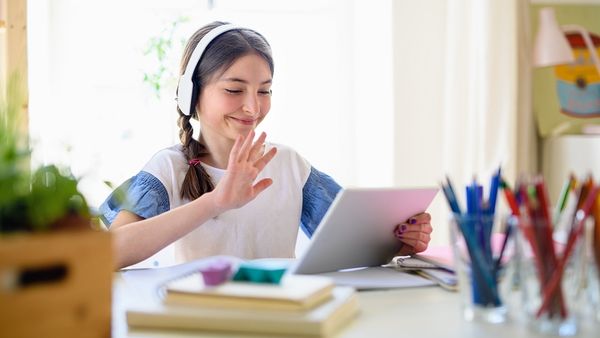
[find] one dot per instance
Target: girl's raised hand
(246, 161)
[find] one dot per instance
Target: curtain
(528, 154)
(487, 120)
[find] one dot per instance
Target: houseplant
(32, 200)
(56, 271)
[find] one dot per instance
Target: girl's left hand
(246, 160)
(414, 234)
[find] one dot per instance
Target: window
(90, 108)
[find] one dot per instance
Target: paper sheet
(377, 278)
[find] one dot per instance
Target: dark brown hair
(220, 54)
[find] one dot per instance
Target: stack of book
(299, 305)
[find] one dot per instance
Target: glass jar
(480, 267)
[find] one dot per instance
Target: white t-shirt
(266, 227)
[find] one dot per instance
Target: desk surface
(410, 312)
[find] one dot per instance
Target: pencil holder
(593, 289)
(481, 260)
(592, 268)
(551, 277)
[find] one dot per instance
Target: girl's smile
(244, 121)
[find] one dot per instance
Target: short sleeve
(317, 195)
(143, 195)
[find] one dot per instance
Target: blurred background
(375, 93)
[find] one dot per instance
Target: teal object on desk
(260, 272)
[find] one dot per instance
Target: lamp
(551, 46)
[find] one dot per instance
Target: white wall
(357, 86)
(419, 43)
(373, 94)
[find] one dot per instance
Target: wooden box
(56, 284)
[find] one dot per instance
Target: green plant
(32, 200)
(159, 48)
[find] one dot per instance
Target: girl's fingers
(262, 185)
(417, 236)
(419, 218)
(257, 149)
(266, 158)
(404, 229)
(418, 245)
(235, 150)
(245, 149)
(250, 155)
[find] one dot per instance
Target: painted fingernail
(412, 221)
(400, 230)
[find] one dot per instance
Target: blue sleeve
(143, 195)
(317, 195)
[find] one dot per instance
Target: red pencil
(582, 215)
(545, 233)
(510, 198)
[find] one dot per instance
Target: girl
(223, 194)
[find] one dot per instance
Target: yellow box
(56, 284)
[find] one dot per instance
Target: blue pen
(452, 195)
(484, 286)
(449, 199)
(484, 222)
(490, 210)
(471, 197)
(507, 234)
(494, 185)
(472, 233)
(474, 194)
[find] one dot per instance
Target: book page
(377, 278)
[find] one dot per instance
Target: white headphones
(185, 89)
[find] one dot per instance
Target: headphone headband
(185, 89)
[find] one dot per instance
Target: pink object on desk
(441, 255)
(216, 273)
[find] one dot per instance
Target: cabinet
(562, 155)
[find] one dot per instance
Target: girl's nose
(251, 104)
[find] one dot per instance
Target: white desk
(412, 313)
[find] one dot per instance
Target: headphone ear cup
(185, 91)
(194, 96)
(186, 94)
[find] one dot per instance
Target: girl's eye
(239, 91)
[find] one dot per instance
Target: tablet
(358, 229)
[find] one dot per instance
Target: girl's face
(236, 101)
